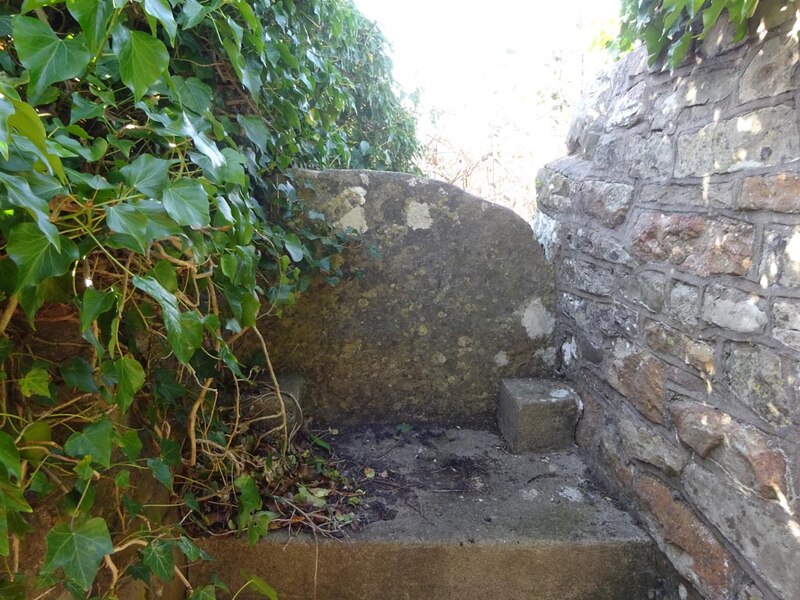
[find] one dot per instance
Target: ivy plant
(140, 142)
(668, 28)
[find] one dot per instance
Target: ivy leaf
(160, 10)
(293, 246)
(21, 195)
(192, 94)
(190, 550)
(36, 382)
(157, 556)
(26, 122)
(93, 16)
(192, 14)
(143, 59)
(184, 330)
(130, 444)
(130, 379)
(249, 499)
(261, 586)
(148, 174)
(160, 471)
(186, 201)
(48, 58)
(36, 258)
(78, 550)
(207, 592)
(9, 455)
(94, 440)
(94, 304)
(78, 373)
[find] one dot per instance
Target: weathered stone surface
(462, 520)
(771, 70)
(691, 545)
(588, 277)
(757, 529)
(608, 202)
(720, 39)
(693, 242)
(535, 415)
(787, 323)
(645, 289)
(762, 138)
(662, 338)
(643, 442)
(754, 375)
(599, 319)
(554, 192)
(684, 303)
(598, 243)
(452, 295)
(779, 193)
(629, 108)
(780, 263)
(735, 310)
(699, 426)
(638, 156)
(751, 460)
(692, 91)
(638, 376)
(716, 195)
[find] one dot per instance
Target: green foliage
(668, 28)
(141, 142)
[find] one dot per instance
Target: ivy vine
(140, 213)
(668, 28)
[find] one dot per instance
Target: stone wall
(674, 225)
(445, 295)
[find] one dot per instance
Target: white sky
(487, 70)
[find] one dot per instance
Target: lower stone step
(452, 515)
(537, 414)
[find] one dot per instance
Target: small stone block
(537, 414)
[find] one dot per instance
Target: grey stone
(588, 277)
(762, 138)
(554, 192)
(597, 319)
(635, 156)
(696, 90)
(644, 443)
(713, 195)
(461, 518)
(598, 243)
(754, 374)
(536, 414)
(684, 303)
(771, 70)
(446, 295)
(780, 263)
(720, 39)
(608, 202)
(645, 289)
(590, 114)
(628, 109)
(787, 323)
(735, 310)
(756, 528)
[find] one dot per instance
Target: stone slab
(460, 518)
(444, 295)
(537, 414)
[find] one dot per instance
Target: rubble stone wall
(674, 226)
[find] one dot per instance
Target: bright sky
(488, 69)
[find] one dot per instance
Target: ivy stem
(8, 313)
(193, 419)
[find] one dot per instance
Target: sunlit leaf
(143, 59)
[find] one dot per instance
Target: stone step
(450, 514)
(537, 414)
